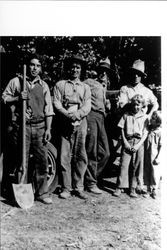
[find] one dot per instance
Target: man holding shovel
(38, 119)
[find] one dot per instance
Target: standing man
(39, 114)
(135, 86)
(97, 142)
(72, 102)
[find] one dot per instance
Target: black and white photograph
(82, 118)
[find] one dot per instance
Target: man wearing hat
(135, 86)
(72, 102)
(96, 141)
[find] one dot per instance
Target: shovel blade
(24, 195)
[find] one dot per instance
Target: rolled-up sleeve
(57, 98)
(48, 109)
(153, 100)
(123, 97)
(86, 107)
(11, 90)
(121, 123)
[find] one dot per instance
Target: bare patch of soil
(102, 222)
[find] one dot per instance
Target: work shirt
(66, 94)
(98, 98)
(128, 91)
(153, 144)
(41, 88)
(134, 125)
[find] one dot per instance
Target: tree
(120, 50)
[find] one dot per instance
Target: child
(152, 155)
(133, 126)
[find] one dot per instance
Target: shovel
(23, 193)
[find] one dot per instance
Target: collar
(139, 114)
(76, 82)
(139, 85)
(37, 79)
(29, 80)
(154, 131)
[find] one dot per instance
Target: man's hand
(108, 104)
(73, 116)
(24, 95)
(127, 146)
(135, 148)
(156, 161)
(47, 136)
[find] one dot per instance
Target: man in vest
(72, 102)
(39, 114)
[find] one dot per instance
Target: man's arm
(48, 122)
(57, 100)
(153, 102)
(122, 98)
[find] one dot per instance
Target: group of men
(81, 107)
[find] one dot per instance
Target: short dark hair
(158, 117)
(34, 56)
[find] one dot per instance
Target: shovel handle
(24, 129)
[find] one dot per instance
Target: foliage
(120, 50)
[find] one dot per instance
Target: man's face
(75, 70)
(34, 68)
(136, 78)
(103, 77)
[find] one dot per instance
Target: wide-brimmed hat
(104, 65)
(139, 66)
(75, 58)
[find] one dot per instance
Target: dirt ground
(99, 223)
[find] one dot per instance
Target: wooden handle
(24, 129)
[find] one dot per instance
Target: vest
(36, 103)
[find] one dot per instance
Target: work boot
(153, 194)
(95, 190)
(146, 195)
(133, 193)
(65, 194)
(46, 200)
(80, 195)
(117, 192)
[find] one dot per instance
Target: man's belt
(34, 121)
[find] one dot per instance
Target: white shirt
(128, 91)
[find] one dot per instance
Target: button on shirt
(133, 124)
(97, 95)
(128, 91)
(67, 92)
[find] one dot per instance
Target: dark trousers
(97, 147)
(35, 144)
(36, 147)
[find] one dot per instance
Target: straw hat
(139, 66)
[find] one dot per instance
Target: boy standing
(133, 126)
